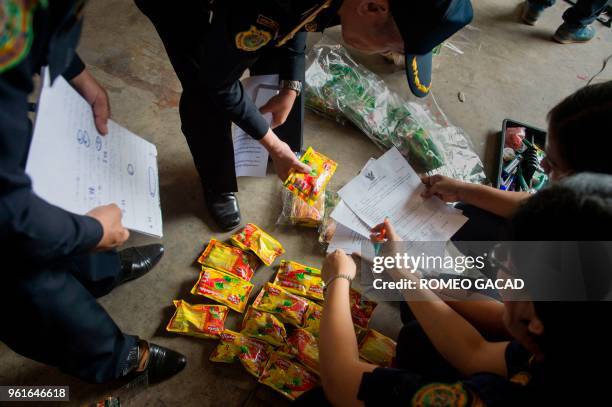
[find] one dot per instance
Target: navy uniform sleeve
(29, 225)
(75, 68)
(293, 63)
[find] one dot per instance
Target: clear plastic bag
(337, 86)
(298, 213)
(328, 225)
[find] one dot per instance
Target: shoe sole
(529, 22)
(564, 41)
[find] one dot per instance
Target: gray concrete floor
(507, 70)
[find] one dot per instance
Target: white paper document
(344, 215)
(389, 187)
(74, 167)
(250, 157)
(347, 240)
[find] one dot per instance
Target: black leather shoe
(223, 207)
(163, 363)
(138, 261)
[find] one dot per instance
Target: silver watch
(293, 85)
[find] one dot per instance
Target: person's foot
(224, 209)
(569, 35)
(159, 363)
(530, 13)
(138, 261)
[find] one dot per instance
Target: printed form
(389, 187)
(76, 168)
(250, 157)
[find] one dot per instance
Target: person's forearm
(337, 341)
(454, 337)
(485, 315)
(341, 369)
(502, 203)
(270, 141)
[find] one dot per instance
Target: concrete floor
(507, 70)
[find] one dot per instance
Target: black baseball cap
(424, 24)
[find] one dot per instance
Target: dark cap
(424, 24)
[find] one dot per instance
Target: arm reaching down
(502, 203)
(341, 369)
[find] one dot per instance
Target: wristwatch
(334, 278)
(293, 85)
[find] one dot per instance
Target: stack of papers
(389, 188)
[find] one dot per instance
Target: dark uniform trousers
(206, 127)
(50, 314)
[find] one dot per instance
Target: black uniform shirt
(400, 387)
(240, 31)
(34, 34)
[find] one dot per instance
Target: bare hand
(445, 188)
(96, 96)
(385, 230)
(283, 158)
(336, 263)
(114, 233)
(280, 106)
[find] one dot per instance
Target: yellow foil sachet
(263, 326)
(253, 354)
(229, 259)
(311, 186)
(377, 348)
(200, 320)
(300, 279)
(253, 238)
(361, 309)
(227, 349)
(224, 288)
(288, 377)
(312, 319)
(288, 307)
(305, 347)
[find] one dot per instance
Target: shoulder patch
(252, 39)
(15, 31)
(441, 395)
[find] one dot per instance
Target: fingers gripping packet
(233, 346)
(251, 237)
(312, 319)
(305, 347)
(297, 212)
(287, 377)
(288, 307)
(361, 309)
(312, 185)
(224, 288)
(263, 326)
(300, 279)
(230, 259)
(199, 320)
(377, 348)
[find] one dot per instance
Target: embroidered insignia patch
(15, 31)
(267, 22)
(441, 394)
(311, 26)
(253, 39)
